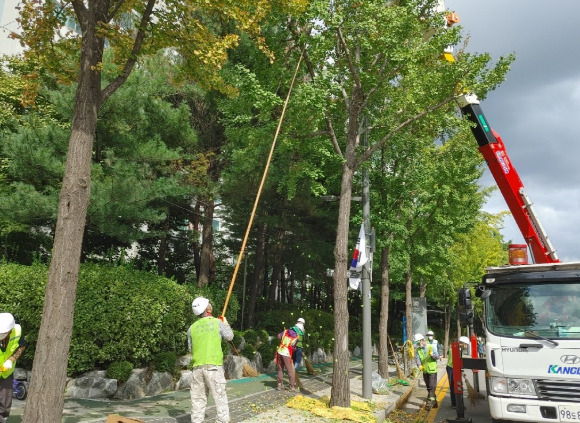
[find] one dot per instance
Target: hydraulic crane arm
(507, 179)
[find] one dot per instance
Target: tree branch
(81, 12)
(367, 154)
(329, 126)
(116, 6)
(137, 44)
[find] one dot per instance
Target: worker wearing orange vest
(205, 343)
(288, 339)
(11, 347)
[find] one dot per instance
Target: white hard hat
(429, 332)
(418, 337)
(464, 339)
(301, 320)
(199, 305)
(6, 324)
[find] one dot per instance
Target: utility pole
(367, 359)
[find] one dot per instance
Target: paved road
(477, 409)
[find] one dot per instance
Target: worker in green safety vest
(11, 347)
(301, 332)
(205, 343)
(426, 358)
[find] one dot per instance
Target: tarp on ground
(358, 412)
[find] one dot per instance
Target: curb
(382, 415)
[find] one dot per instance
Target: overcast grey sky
(537, 110)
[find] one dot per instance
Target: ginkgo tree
(68, 39)
(378, 65)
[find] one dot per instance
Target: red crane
(507, 179)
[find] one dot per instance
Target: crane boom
(507, 179)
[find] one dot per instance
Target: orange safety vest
(287, 343)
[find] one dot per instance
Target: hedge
(121, 314)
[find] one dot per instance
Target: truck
(532, 349)
(531, 311)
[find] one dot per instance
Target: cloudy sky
(537, 110)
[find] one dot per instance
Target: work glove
(421, 368)
(6, 366)
(223, 319)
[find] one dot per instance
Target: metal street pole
(367, 358)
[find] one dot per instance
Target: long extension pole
(245, 240)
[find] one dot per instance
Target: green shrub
(165, 362)
(268, 351)
(251, 337)
(226, 348)
(355, 339)
(249, 351)
(238, 338)
(120, 370)
(263, 336)
(120, 314)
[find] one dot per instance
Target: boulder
(183, 361)
(234, 366)
(91, 385)
(143, 383)
(184, 381)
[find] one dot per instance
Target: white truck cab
(532, 324)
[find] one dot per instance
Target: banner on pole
(359, 259)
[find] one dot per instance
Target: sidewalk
(251, 400)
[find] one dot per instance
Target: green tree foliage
(144, 173)
(379, 68)
(130, 29)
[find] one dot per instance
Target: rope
(245, 240)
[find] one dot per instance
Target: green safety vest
(206, 342)
(428, 362)
(300, 336)
(12, 346)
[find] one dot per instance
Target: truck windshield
(549, 310)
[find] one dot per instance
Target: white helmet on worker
(301, 320)
(6, 324)
(419, 337)
(199, 305)
(430, 333)
(464, 339)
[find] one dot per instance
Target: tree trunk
(194, 226)
(409, 304)
(340, 392)
(162, 249)
(257, 280)
(448, 309)
(46, 399)
(291, 286)
(384, 317)
(276, 268)
(422, 288)
(205, 268)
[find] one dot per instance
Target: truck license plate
(569, 413)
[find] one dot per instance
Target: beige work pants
(209, 379)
